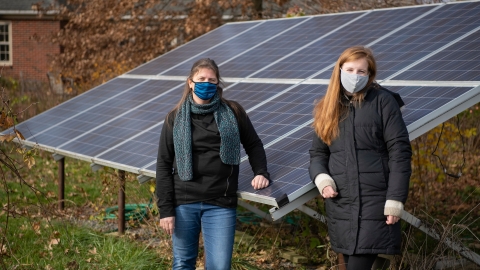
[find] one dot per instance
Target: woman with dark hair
(360, 160)
(198, 166)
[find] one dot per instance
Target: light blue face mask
(205, 90)
(353, 82)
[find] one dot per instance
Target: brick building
(25, 49)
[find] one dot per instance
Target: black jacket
(370, 163)
(213, 181)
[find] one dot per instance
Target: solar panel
(459, 62)
(275, 69)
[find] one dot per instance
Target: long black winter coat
(370, 163)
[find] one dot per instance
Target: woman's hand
(260, 182)
(168, 224)
(392, 220)
(329, 192)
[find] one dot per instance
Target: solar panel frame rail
(275, 69)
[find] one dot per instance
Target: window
(5, 43)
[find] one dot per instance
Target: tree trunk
(258, 7)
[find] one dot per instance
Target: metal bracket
(27, 147)
(298, 203)
(57, 157)
(309, 211)
(277, 213)
(255, 210)
(95, 167)
(142, 179)
(457, 246)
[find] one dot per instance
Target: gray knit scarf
(182, 134)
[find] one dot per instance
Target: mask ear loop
(463, 152)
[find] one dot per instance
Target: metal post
(61, 184)
(121, 202)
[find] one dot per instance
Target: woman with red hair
(360, 160)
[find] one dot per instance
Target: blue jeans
(218, 229)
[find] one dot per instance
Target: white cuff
(393, 208)
(323, 180)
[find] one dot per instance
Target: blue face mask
(205, 90)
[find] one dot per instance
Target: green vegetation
(42, 244)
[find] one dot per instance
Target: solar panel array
(275, 69)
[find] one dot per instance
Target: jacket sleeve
(319, 156)
(395, 134)
(164, 189)
(253, 145)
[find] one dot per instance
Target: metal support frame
(121, 202)
(255, 210)
(61, 183)
(57, 157)
(457, 246)
(277, 213)
(309, 211)
(412, 220)
(95, 167)
(142, 179)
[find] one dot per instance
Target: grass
(36, 235)
(82, 186)
(44, 244)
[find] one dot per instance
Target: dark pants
(359, 261)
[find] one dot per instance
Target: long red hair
(329, 111)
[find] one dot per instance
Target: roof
(26, 5)
(26, 8)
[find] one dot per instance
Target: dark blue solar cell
(325, 51)
(242, 44)
(188, 52)
(249, 95)
(112, 123)
(412, 115)
(135, 159)
(459, 62)
(428, 34)
(53, 140)
(257, 61)
(287, 162)
(421, 101)
(76, 106)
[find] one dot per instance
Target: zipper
(228, 180)
(351, 110)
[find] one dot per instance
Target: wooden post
(258, 7)
(61, 184)
(121, 202)
(341, 262)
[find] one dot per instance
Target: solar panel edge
(445, 112)
(257, 198)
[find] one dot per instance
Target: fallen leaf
(54, 241)
(7, 137)
(93, 251)
(36, 227)
(19, 134)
